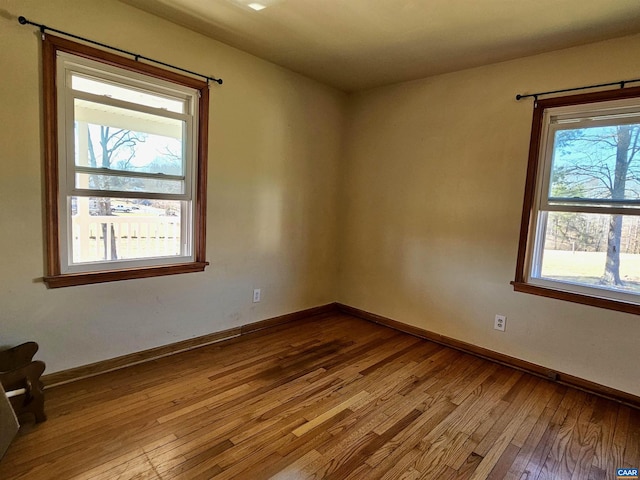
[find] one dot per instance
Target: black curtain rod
(24, 21)
(621, 83)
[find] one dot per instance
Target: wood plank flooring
(331, 397)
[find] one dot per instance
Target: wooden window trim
(54, 277)
(520, 284)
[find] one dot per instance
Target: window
(125, 161)
(580, 235)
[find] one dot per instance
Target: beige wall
(433, 189)
(275, 144)
(416, 219)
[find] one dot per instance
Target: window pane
(596, 163)
(576, 245)
(128, 184)
(110, 229)
(120, 139)
(126, 93)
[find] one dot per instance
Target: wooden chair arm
(16, 357)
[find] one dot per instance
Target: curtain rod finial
(22, 20)
(518, 97)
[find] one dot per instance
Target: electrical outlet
(256, 295)
(500, 323)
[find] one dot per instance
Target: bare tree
(116, 148)
(602, 164)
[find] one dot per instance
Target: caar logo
(627, 473)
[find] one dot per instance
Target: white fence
(126, 237)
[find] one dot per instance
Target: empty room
(335, 239)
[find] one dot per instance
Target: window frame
(533, 187)
(53, 167)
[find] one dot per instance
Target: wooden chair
(20, 378)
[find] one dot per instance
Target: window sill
(87, 278)
(607, 303)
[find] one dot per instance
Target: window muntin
(585, 221)
(125, 144)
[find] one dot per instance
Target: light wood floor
(333, 398)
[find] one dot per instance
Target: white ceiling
(359, 44)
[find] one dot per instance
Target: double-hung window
(580, 236)
(126, 166)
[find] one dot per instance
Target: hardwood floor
(331, 397)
